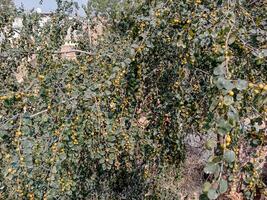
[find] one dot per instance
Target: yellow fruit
(18, 96)
(176, 21)
(251, 85)
(112, 105)
(18, 133)
(228, 139)
(256, 91)
(41, 77)
(261, 86)
(251, 184)
(68, 86)
(231, 93)
(56, 132)
(3, 97)
(265, 88)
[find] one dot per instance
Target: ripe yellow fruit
(223, 146)
(256, 91)
(251, 85)
(265, 88)
(231, 93)
(228, 139)
(18, 133)
(41, 77)
(18, 96)
(261, 86)
(7, 156)
(68, 86)
(176, 20)
(112, 105)
(3, 97)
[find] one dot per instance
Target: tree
(108, 7)
(6, 5)
(107, 124)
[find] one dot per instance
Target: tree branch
(5, 55)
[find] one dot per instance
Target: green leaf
(3, 134)
(206, 186)
(241, 84)
(26, 130)
(102, 160)
(229, 156)
(211, 168)
(231, 40)
(223, 186)
(54, 170)
(220, 70)
(111, 138)
(212, 194)
(210, 144)
(213, 105)
(203, 197)
(223, 127)
(111, 156)
(88, 94)
(228, 85)
(232, 113)
(228, 100)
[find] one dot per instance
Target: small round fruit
(257, 91)
(231, 93)
(228, 139)
(251, 85)
(261, 86)
(223, 146)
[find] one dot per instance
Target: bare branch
(5, 55)
(73, 50)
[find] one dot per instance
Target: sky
(47, 6)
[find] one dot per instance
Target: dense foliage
(105, 124)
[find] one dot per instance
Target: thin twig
(202, 71)
(4, 55)
(39, 113)
(75, 51)
(226, 48)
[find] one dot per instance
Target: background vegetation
(108, 124)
